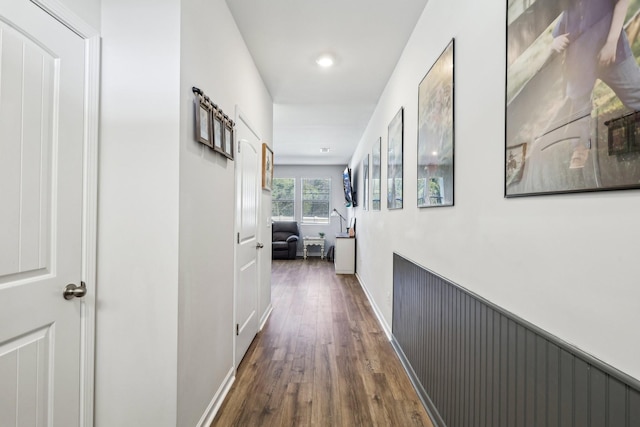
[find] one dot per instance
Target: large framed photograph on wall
(572, 96)
(394, 161)
(376, 174)
(365, 182)
(436, 133)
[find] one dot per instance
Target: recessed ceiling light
(325, 150)
(325, 61)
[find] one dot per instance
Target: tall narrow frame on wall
(267, 167)
(376, 174)
(204, 117)
(571, 126)
(365, 183)
(394, 161)
(228, 138)
(436, 133)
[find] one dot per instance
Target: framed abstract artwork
(436, 132)
(394, 161)
(376, 174)
(365, 182)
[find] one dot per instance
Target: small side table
(313, 241)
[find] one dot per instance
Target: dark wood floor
(322, 359)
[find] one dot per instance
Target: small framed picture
(228, 138)
(203, 122)
(267, 167)
(218, 129)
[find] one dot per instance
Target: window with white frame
(316, 197)
(283, 195)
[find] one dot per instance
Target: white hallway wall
(165, 281)
(215, 59)
(567, 263)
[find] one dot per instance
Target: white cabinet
(345, 254)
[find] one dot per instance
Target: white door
(41, 205)
(247, 244)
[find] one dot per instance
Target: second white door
(247, 243)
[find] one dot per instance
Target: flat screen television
(349, 192)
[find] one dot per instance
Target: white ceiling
(315, 107)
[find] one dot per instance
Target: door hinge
(237, 329)
(238, 147)
(238, 238)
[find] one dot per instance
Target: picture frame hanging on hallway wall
(267, 167)
(365, 182)
(394, 161)
(571, 101)
(218, 132)
(203, 115)
(436, 132)
(376, 174)
(228, 138)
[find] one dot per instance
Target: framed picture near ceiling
(436, 132)
(394, 161)
(203, 115)
(376, 175)
(365, 183)
(228, 134)
(267, 167)
(572, 100)
(218, 129)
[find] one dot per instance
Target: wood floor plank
(322, 359)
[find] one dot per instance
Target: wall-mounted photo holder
(213, 128)
(203, 110)
(228, 135)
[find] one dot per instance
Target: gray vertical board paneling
(484, 382)
(634, 408)
(581, 391)
(598, 398)
(477, 365)
(541, 382)
(503, 385)
(520, 375)
(477, 390)
(553, 372)
(497, 365)
(617, 407)
(530, 383)
(566, 389)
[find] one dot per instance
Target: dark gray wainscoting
(476, 365)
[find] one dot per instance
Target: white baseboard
(385, 326)
(218, 398)
(265, 317)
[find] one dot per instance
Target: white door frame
(90, 197)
